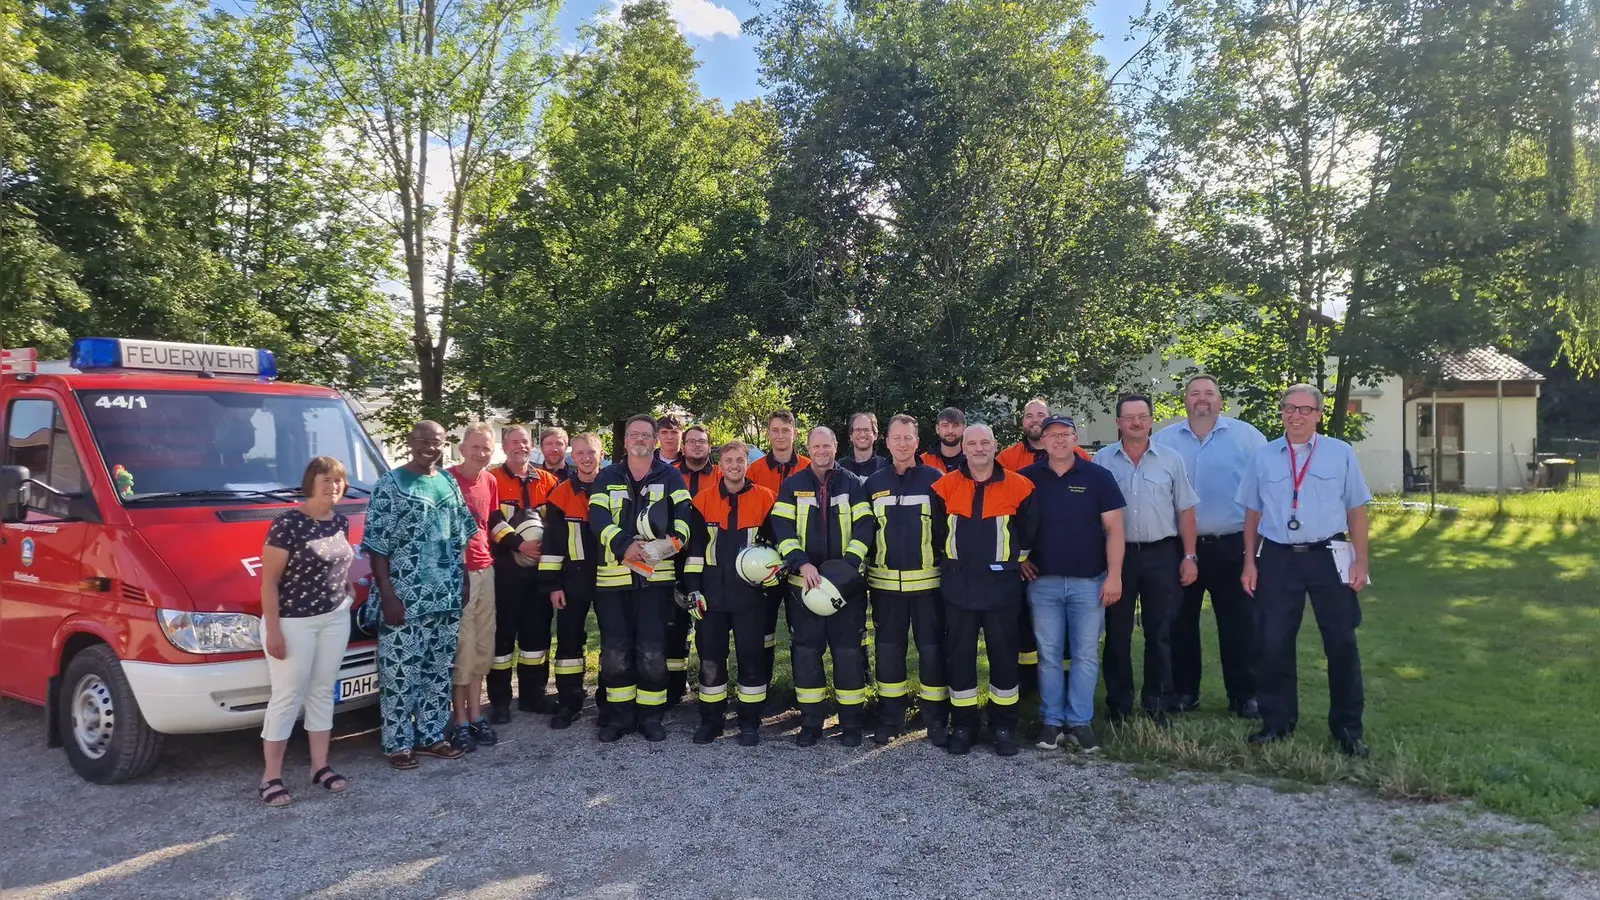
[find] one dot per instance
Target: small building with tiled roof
(1472, 425)
(1485, 365)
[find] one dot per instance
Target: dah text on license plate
(355, 686)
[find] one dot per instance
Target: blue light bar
(168, 356)
(96, 353)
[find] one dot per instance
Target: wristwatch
(1191, 557)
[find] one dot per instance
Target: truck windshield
(222, 445)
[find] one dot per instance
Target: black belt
(1149, 544)
(1213, 538)
(1304, 548)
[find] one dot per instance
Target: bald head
(977, 442)
(822, 445)
(426, 443)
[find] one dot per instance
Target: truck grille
(357, 657)
(349, 508)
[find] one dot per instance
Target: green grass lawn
(1480, 647)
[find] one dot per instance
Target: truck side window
(36, 437)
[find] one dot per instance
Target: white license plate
(355, 686)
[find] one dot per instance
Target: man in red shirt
(475, 644)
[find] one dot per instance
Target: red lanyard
(1300, 478)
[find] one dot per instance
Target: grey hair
(1303, 389)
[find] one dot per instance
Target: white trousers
(314, 647)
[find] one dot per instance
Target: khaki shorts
(475, 645)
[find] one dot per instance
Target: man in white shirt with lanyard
(1305, 533)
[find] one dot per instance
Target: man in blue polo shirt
(1074, 573)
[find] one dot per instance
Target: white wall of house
(1481, 461)
(1379, 451)
(1391, 427)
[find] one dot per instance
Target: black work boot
(1005, 742)
(936, 718)
(677, 687)
(650, 726)
(808, 736)
(564, 717)
(891, 719)
(618, 723)
(960, 742)
(712, 717)
(749, 724)
(531, 683)
(498, 684)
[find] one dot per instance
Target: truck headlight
(211, 632)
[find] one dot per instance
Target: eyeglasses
(861, 431)
(1140, 418)
(1302, 410)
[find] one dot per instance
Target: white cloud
(702, 18)
(699, 18)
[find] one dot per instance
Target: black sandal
(326, 777)
(271, 791)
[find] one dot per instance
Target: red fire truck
(137, 482)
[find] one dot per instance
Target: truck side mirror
(14, 481)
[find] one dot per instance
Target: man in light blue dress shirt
(1215, 450)
(1157, 563)
(1306, 515)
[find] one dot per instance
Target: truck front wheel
(105, 736)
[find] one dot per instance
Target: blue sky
(728, 58)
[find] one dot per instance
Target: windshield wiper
(351, 487)
(277, 495)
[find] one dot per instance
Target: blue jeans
(1067, 608)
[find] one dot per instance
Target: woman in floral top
(305, 623)
(416, 534)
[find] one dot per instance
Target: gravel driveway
(555, 814)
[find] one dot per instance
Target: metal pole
(1433, 483)
(1499, 447)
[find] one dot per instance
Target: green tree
(1475, 230)
(156, 180)
(432, 101)
(616, 282)
(95, 133)
(1379, 180)
(954, 222)
(303, 257)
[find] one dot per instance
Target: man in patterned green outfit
(417, 529)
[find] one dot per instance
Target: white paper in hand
(1344, 556)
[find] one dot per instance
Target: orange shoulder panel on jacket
(1004, 497)
(571, 501)
(711, 505)
(509, 486)
(755, 506)
(956, 490)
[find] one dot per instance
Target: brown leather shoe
(440, 750)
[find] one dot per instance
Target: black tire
(127, 746)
